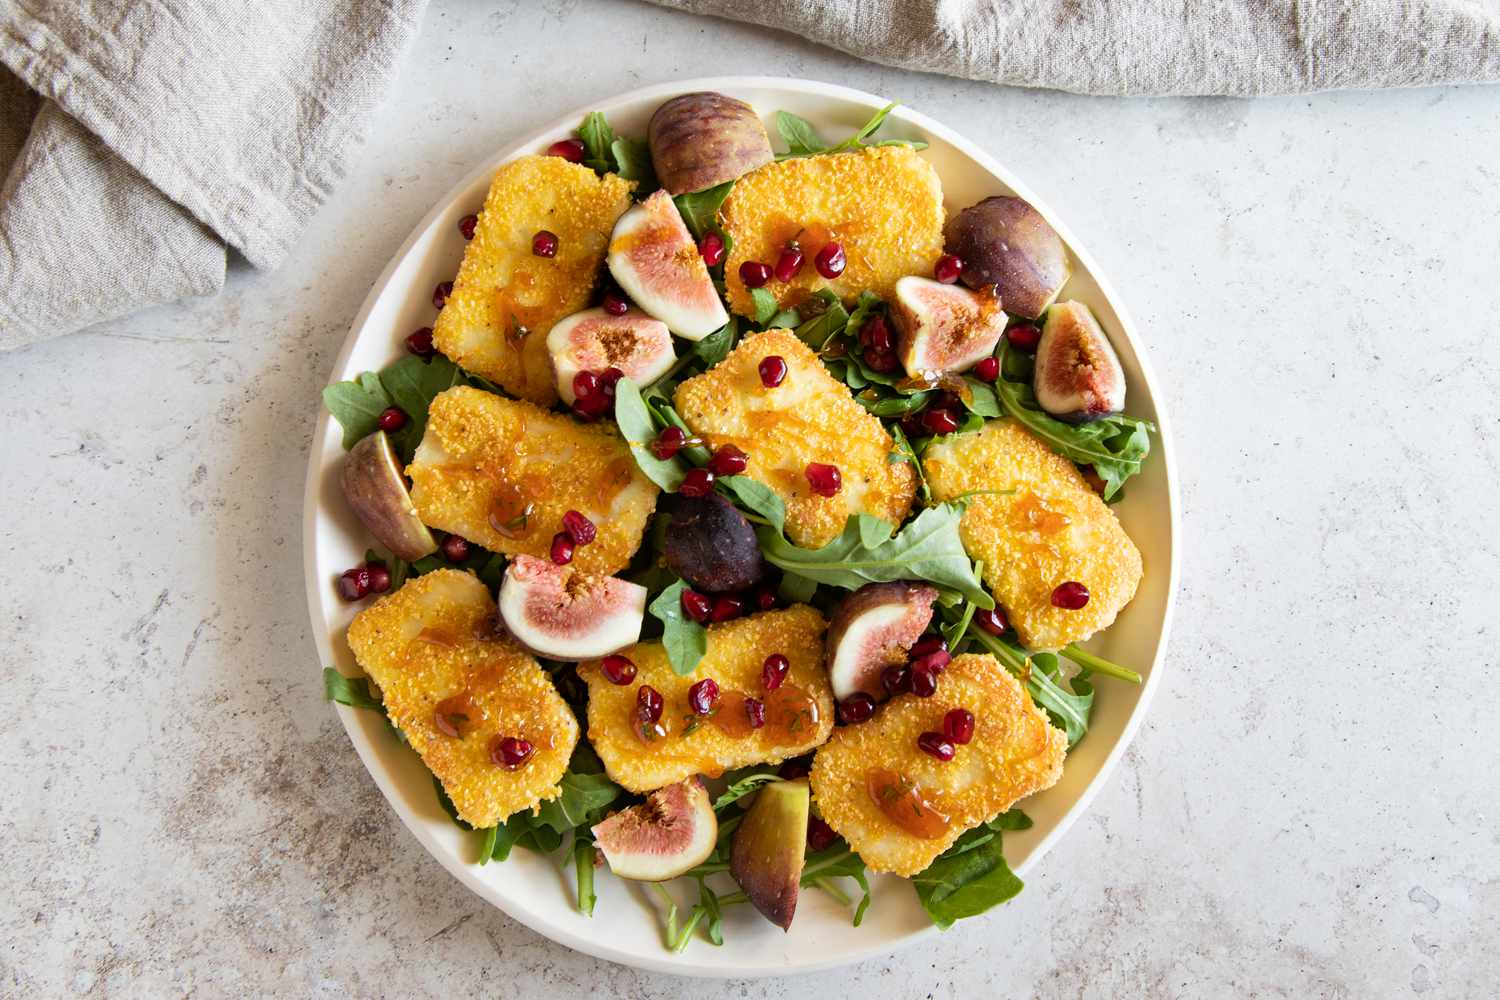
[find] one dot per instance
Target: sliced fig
(703, 139)
(710, 544)
(770, 847)
(593, 340)
(561, 614)
(944, 328)
(376, 492)
(1005, 242)
(872, 629)
(1077, 377)
(653, 257)
(673, 831)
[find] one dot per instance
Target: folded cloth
(161, 130)
(1119, 47)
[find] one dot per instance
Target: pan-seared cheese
(435, 652)
(503, 472)
(900, 807)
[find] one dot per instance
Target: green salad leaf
(632, 159)
(803, 140)
(357, 406)
(638, 429)
(967, 879)
(413, 384)
(717, 345)
(765, 305)
(1067, 704)
(742, 787)
(757, 497)
(583, 870)
(700, 209)
(351, 691)
(838, 861)
(827, 322)
(684, 639)
(598, 139)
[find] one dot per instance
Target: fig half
(672, 832)
(563, 615)
(770, 847)
(703, 139)
(710, 544)
(1077, 377)
(593, 340)
(944, 328)
(376, 491)
(653, 257)
(872, 629)
(1005, 242)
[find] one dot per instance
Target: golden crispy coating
(1052, 529)
(809, 417)
(432, 643)
(485, 461)
(1015, 751)
(798, 715)
(883, 205)
(503, 289)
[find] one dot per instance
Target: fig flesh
(672, 832)
(593, 340)
(558, 613)
(1077, 377)
(872, 629)
(710, 544)
(769, 849)
(944, 328)
(1005, 242)
(703, 139)
(653, 257)
(376, 491)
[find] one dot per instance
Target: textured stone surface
(1308, 811)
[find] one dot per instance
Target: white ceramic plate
(537, 891)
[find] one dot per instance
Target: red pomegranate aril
(585, 383)
(754, 274)
(936, 745)
(614, 304)
(883, 362)
(788, 264)
(773, 671)
(988, 369)
(824, 479)
(420, 343)
(727, 607)
(441, 292)
(668, 443)
(1024, 337)
(711, 249)
(728, 460)
(831, 261)
(544, 244)
(648, 704)
(923, 681)
(820, 836)
(354, 583)
(1070, 596)
(958, 725)
(380, 578)
(929, 644)
(455, 548)
(510, 752)
(571, 150)
(991, 621)
(948, 268)
(562, 548)
(934, 661)
(772, 371)
(939, 421)
(876, 335)
(895, 680)
(797, 767)
(608, 379)
(755, 712)
(591, 408)
(393, 419)
(696, 606)
(765, 599)
(703, 696)
(618, 669)
(579, 528)
(856, 708)
(466, 226)
(697, 483)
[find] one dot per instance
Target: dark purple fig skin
(376, 492)
(703, 139)
(710, 544)
(769, 849)
(1005, 242)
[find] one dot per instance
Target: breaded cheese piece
(1050, 530)
(798, 714)
(505, 297)
(432, 647)
(503, 472)
(877, 788)
(883, 205)
(809, 417)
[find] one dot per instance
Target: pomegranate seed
(935, 744)
(788, 264)
(824, 479)
(668, 443)
(988, 369)
(585, 383)
(797, 767)
(354, 583)
(923, 681)
(1070, 596)
(895, 679)
(380, 578)
(544, 244)
(1025, 337)
(591, 408)
(579, 528)
(940, 421)
(934, 661)
(992, 621)
(696, 606)
(948, 268)
(608, 379)
(930, 644)
(765, 599)
(711, 249)
(820, 836)
(614, 304)
(882, 361)
(697, 483)
(393, 419)
(856, 708)
(755, 711)
(619, 669)
(703, 696)
(648, 704)
(455, 548)
(774, 671)
(466, 226)
(830, 261)
(562, 548)
(441, 292)
(510, 752)
(772, 371)
(876, 335)
(726, 606)
(958, 725)
(420, 343)
(571, 150)
(728, 460)
(754, 274)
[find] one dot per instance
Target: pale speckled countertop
(1309, 810)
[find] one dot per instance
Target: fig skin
(769, 849)
(1005, 242)
(1077, 377)
(711, 545)
(673, 831)
(376, 492)
(703, 139)
(899, 611)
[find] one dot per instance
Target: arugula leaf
(638, 430)
(351, 691)
(817, 331)
(583, 870)
(633, 162)
(597, 138)
(742, 787)
(1068, 705)
(838, 861)
(717, 345)
(966, 880)
(700, 209)
(684, 639)
(412, 384)
(357, 406)
(765, 304)
(582, 802)
(802, 140)
(982, 400)
(800, 137)
(759, 498)
(787, 319)
(796, 589)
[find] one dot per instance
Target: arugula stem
(833, 891)
(1099, 665)
(671, 928)
(583, 868)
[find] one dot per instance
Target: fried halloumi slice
(1051, 529)
(809, 417)
(503, 472)
(505, 297)
(798, 714)
(883, 204)
(440, 662)
(898, 806)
